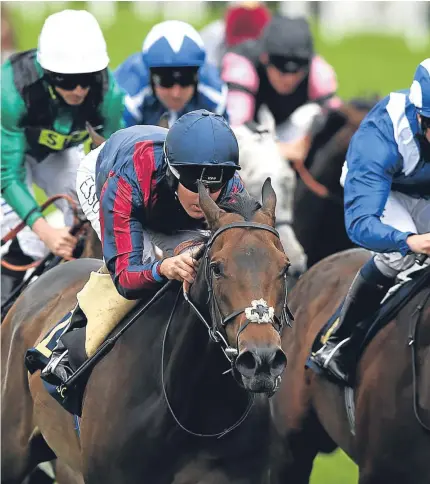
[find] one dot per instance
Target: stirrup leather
(54, 362)
(326, 358)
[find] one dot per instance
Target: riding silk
(387, 178)
(36, 123)
(249, 86)
(143, 107)
(135, 200)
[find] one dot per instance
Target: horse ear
(268, 196)
(95, 137)
(163, 122)
(210, 208)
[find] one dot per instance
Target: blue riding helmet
(173, 44)
(201, 146)
(419, 93)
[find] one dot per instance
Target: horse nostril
(278, 363)
(246, 364)
(264, 360)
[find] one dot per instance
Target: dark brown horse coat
(309, 411)
(127, 432)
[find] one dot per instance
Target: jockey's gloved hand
(181, 267)
(420, 244)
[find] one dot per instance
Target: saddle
(103, 312)
(392, 305)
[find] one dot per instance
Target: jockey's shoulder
(125, 146)
(392, 115)
(132, 75)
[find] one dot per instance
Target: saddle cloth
(105, 310)
(386, 312)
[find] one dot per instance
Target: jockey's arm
(113, 108)
(13, 145)
(242, 81)
(127, 248)
(322, 95)
(13, 172)
(372, 161)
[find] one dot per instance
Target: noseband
(259, 311)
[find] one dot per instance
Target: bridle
(259, 312)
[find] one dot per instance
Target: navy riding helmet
(201, 146)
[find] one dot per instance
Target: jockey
(282, 71)
(387, 208)
(170, 75)
(47, 96)
(242, 21)
(146, 182)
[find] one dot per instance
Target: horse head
(245, 270)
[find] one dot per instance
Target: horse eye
(216, 269)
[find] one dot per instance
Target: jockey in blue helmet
(145, 178)
(170, 75)
(387, 209)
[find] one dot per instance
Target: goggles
(288, 65)
(214, 178)
(167, 77)
(69, 82)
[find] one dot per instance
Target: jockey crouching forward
(387, 208)
(280, 70)
(146, 181)
(170, 75)
(47, 96)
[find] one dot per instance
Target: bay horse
(389, 441)
(162, 406)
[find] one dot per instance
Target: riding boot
(339, 353)
(58, 370)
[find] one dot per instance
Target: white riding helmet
(71, 42)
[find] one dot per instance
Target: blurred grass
(365, 65)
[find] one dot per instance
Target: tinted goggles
(213, 178)
(168, 77)
(69, 82)
(288, 65)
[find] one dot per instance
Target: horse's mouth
(261, 383)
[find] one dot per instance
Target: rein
(15, 231)
(221, 434)
(412, 343)
(259, 312)
(260, 305)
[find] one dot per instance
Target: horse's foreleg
(23, 447)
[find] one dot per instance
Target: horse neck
(202, 396)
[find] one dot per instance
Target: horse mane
(242, 204)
